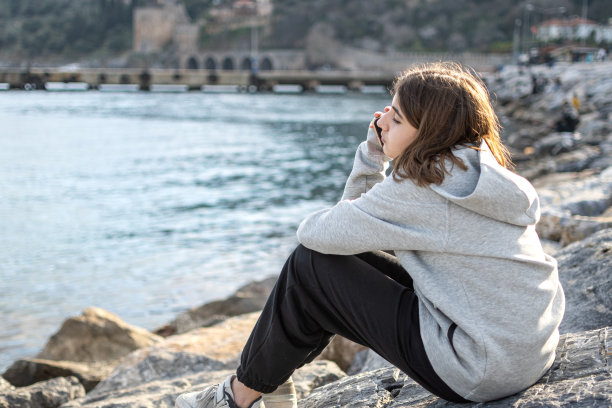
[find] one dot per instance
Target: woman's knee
(304, 264)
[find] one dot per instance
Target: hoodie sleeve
(391, 216)
(368, 168)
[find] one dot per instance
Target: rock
(550, 247)
(595, 127)
(314, 375)
(577, 227)
(94, 337)
(5, 386)
(580, 377)
(206, 349)
(371, 389)
(249, 298)
(584, 271)
(588, 193)
(223, 341)
(152, 394)
(341, 351)
(157, 367)
(367, 360)
(572, 204)
(28, 371)
(161, 393)
(46, 394)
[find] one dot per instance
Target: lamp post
(515, 40)
(526, 29)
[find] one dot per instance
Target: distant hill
(98, 29)
(64, 29)
(420, 25)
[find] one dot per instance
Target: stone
(556, 143)
(5, 386)
(223, 341)
(595, 127)
(96, 336)
(158, 366)
(314, 375)
(152, 394)
(28, 371)
(46, 394)
(581, 376)
(367, 360)
(206, 349)
(371, 389)
(573, 203)
(161, 391)
(341, 351)
(584, 271)
(249, 298)
(577, 227)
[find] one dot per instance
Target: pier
(189, 80)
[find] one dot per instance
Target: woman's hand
(375, 144)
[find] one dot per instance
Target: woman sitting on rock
(469, 307)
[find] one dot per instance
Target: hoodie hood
(489, 189)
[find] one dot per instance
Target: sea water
(147, 204)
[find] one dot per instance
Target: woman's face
(397, 132)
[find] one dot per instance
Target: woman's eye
(396, 121)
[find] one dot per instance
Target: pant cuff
(254, 384)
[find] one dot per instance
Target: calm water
(148, 204)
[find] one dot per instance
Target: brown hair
(450, 107)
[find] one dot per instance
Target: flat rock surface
(46, 394)
(585, 271)
(580, 377)
(161, 390)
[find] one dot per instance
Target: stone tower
(157, 25)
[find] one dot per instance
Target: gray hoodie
(489, 297)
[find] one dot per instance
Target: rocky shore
(97, 360)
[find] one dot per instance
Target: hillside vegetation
(78, 29)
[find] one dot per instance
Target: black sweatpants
(367, 298)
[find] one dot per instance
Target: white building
(573, 29)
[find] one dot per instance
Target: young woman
(469, 307)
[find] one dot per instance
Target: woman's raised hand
(378, 114)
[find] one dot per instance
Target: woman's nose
(384, 119)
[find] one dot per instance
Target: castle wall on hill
(156, 26)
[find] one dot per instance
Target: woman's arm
(391, 216)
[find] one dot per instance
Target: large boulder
(224, 341)
(29, 371)
(158, 366)
(161, 390)
(581, 376)
(574, 205)
(585, 273)
(46, 394)
(206, 349)
(249, 298)
(96, 336)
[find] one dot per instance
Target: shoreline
(572, 172)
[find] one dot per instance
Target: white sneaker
(216, 396)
